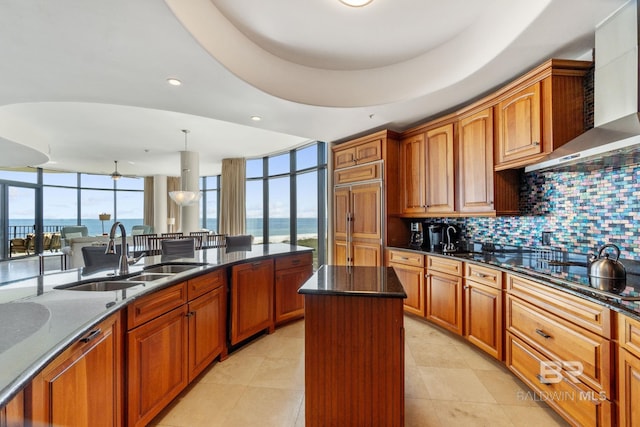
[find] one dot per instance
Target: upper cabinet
(352, 155)
(427, 171)
(539, 112)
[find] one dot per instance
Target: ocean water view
(277, 226)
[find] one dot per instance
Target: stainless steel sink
(103, 286)
(148, 276)
(170, 268)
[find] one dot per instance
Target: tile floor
(448, 383)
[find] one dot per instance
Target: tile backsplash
(582, 210)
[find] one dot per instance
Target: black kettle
(607, 274)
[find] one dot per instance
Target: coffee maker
(416, 238)
(435, 237)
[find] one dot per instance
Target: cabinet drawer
(562, 342)
(152, 306)
(358, 173)
(629, 334)
(575, 402)
(484, 275)
(591, 316)
(406, 258)
(292, 261)
(444, 265)
(202, 284)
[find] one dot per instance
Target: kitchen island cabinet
(354, 347)
(291, 273)
(82, 386)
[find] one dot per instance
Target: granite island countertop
(354, 281)
(37, 321)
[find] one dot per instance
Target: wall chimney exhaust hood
(615, 139)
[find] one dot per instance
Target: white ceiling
(84, 82)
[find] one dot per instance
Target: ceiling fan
(115, 175)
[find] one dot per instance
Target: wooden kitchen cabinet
(291, 273)
(82, 386)
(409, 267)
(157, 364)
(358, 224)
(571, 336)
(12, 414)
(251, 299)
(444, 294)
(207, 319)
(357, 153)
(483, 308)
(427, 168)
(539, 112)
(628, 371)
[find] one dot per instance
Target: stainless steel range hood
(615, 139)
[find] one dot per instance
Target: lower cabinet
(291, 273)
(444, 300)
(444, 293)
(251, 299)
(409, 267)
(483, 309)
(171, 339)
(628, 371)
(12, 414)
(82, 386)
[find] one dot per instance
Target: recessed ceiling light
(174, 82)
(356, 3)
(256, 118)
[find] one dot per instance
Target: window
(286, 198)
(211, 202)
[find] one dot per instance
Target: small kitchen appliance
(435, 237)
(607, 274)
(417, 235)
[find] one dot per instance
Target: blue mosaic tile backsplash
(582, 210)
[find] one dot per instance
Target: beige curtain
(232, 197)
(147, 217)
(173, 210)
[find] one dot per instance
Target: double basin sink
(149, 274)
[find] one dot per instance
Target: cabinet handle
(256, 264)
(480, 275)
(536, 143)
(91, 335)
(466, 287)
(542, 380)
(543, 334)
(190, 314)
(426, 276)
(295, 262)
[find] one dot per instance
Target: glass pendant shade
(185, 198)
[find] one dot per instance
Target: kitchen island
(354, 347)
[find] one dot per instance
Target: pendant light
(116, 175)
(185, 197)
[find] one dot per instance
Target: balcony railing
(22, 239)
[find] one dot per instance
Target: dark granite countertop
(38, 322)
(560, 270)
(354, 281)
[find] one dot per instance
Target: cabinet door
(475, 158)
(207, 319)
(289, 303)
(629, 389)
(369, 151)
(82, 387)
(12, 414)
(157, 364)
(412, 159)
(366, 211)
(519, 125)
(483, 317)
(341, 212)
(366, 254)
(444, 301)
(251, 299)
(343, 158)
(440, 173)
(340, 252)
(412, 279)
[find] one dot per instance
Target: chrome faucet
(124, 256)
